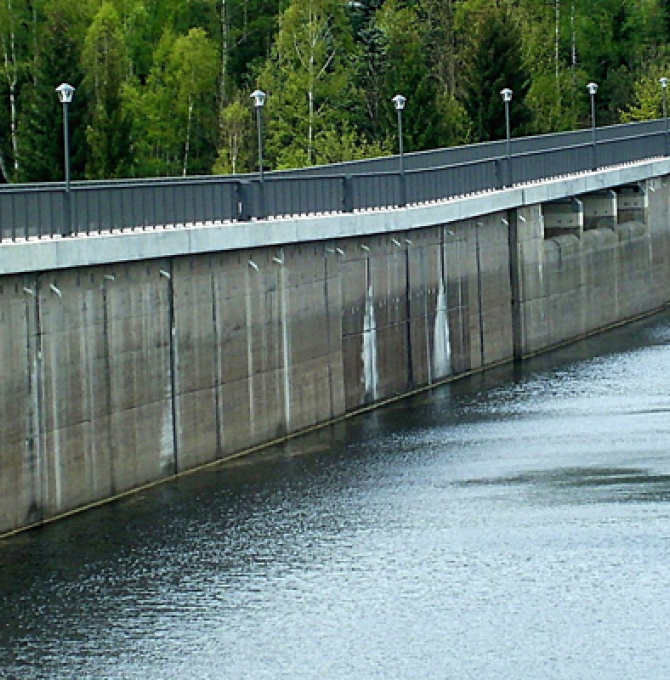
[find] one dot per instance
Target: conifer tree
(495, 62)
(58, 39)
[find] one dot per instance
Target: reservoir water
(515, 524)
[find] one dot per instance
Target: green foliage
(234, 150)
(105, 65)
(336, 145)
(494, 63)
(407, 72)
(163, 85)
(58, 39)
(648, 95)
(174, 129)
(308, 80)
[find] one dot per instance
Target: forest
(163, 86)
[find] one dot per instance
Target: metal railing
(47, 210)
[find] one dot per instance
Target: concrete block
(199, 416)
(460, 341)
(563, 215)
(534, 326)
(143, 445)
(392, 360)
(632, 203)
(352, 364)
(20, 495)
(310, 393)
(497, 335)
(600, 209)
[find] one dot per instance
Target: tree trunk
(187, 143)
(11, 73)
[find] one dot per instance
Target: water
(512, 525)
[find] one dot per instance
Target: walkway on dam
(127, 244)
(29, 212)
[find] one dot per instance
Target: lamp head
(65, 93)
(399, 102)
(259, 98)
(664, 83)
(506, 94)
(592, 88)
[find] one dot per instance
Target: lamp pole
(506, 95)
(399, 103)
(664, 85)
(259, 101)
(65, 93)
(592, 89)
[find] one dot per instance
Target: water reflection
(511, 525)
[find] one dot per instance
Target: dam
(128, 356)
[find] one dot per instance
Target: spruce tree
(41, 122)
(495, 62)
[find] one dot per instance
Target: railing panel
(375, 191)
(32, 211)
(286, 196)
(552, 163)
(631, 149)
(31, 214)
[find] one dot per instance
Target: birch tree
(13, 43)
(308, 79)
(104, 62)
(174, 116)
(236, 130)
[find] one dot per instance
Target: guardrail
(48, 210)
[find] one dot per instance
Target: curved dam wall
(121, 374)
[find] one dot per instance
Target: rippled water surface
(511, 525)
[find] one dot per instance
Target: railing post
(262, 211)
(592, 89)
(499, 173)
(243, 191)
(347, 194)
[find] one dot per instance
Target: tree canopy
(162, 86)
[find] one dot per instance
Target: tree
(236, 129)
(57, 39)
(174, 115)
(494, 62)
(105, 64)
(648, 95)
(14, 63)
(308, 80)
(408, 72)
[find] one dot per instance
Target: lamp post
(259, 101)
(592, 89)
(506, 95)
(399, 103)
(664, 85)
(65, 93)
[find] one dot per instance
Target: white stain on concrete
(250, 352)
(370, 373)
(441, 339)
(56, 454)
(168, 444)
(286, 345)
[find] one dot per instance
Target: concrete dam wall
(118, 375)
